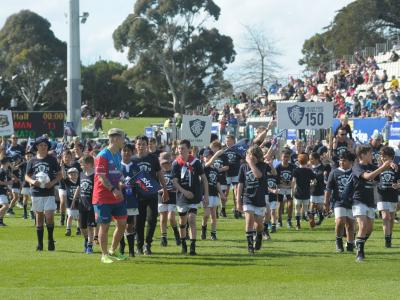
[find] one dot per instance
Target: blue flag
(145, 185)
(241, 147)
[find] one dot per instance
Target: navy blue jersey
(363, 189)
(47, 165)
(303, 179)
(337, 181)
(386, 193)
(319, 188)
(212, 178)
(233, 162)
(169, 184)
(221, 161)
(272, 184)
(86, 183)
(254, 189)
(130, 196)
(285, 174)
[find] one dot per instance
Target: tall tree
(362, 23)
(104, 89)
(30, 56)
(261, 66)
(172, 33)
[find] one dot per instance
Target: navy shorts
(105, 212)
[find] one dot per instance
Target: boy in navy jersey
(388, 195)
(129, 168)
(344, 220)
(87, 220)
(5, 181)
(251, 195)
(362, 189)
(71, 184)
(214, 190)
(317, 192)
(167, 209)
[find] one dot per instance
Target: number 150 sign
(305, 115)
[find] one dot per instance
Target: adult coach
(107, 196)
(43, 173)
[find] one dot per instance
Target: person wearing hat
(43, 173)
(108, 199)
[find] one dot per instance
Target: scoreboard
(33, 124)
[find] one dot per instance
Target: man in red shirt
(108, 199)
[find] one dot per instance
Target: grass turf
(294, 265)
(133, 126)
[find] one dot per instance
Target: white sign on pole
(305, 115)
(6, 123)
(196, 129)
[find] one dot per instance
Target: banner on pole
(6, 123)
(305, 115)
(196, 129)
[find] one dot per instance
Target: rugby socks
(50, 231)
(131, 243)
(258, 241)
(176, 234)
(184, 246)
(250, 241)
(350, 246)
(280, 222)
(203, 232)
(360, 243)
(339, 244)
(288, 221)
(273, 228)
(298, 218)
(122, 245)
(388, 241)
(85, 244)
(25, 211)
(62, 219)
(192, 247)
(164, 241)
(39, 233)
(1, 221)
(213, 235)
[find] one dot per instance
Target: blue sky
(289, 22)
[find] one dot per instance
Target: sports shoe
(117, 256)
(266, 235)
(19, 205)
(280, 223)
(78, 231)
(39, 247)
(68, 232)
(213, 236)
(25, 216)
(177, 240)
(32, 214)
(360, 256)
(349, 247)
(298, 227)
(289, 224)
(250, 250)
(388, 244)
(10, 212)
(258, 242)
(139, 251)
(51, 246)
(164, 242)
(147, 250)
(89, 250)
(3, 225)
(105, 259)
(236, 214)
(339, 245)
(273, 229)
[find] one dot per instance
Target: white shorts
(166, 207)
(273, 204)
(132, 211)
(73, 213)
(232, 180)
(41, 204)
(285, 191)
(213, 201)
(363, 210)
(15, 190)
(259, 211)
(343, 212)
(301, 202)
(62, 193)
(185, 208)
(26, 191)
(317, 199)
(390, 206)
(3, 199)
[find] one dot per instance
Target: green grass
(294, 265)
(133, 126)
